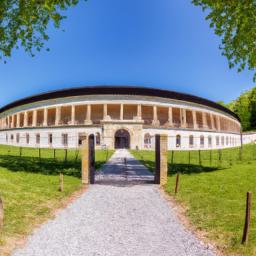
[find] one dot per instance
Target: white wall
(233, 139)
(249, 137)
(73, 135)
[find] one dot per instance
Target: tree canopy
(24, 23)
(245, 107)
(235, 22)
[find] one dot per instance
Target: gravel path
(112, 220)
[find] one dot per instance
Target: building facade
(119, 117)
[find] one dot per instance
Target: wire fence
(47, 161)
(187, 161)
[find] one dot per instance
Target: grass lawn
(29, 187)
(213, 193)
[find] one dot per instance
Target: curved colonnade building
(119, 117)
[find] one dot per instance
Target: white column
(212, 122)
(139, 112)
(122, 112)
(73, 114)
(26, 119)
(183, 118)
(88, 115)
(218, 123)
(18, 120)
(194, 119)
(34, 118)
(45, 123)
(57, 116)
(12, 121)
(155, 118)
(205, 126)
(105, 111)
(170, 121)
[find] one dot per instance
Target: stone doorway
(122, 139)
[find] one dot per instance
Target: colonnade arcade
(149, 115)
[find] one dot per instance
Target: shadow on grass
(183, 168)
(45, 166)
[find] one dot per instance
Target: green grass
(213, 193)
(29, 187)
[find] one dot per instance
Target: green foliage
(24, 23)
(242, 108)
(235, 22)
(245, 107)
(29, 187)
(214, 193)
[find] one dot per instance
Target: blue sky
(157, 43)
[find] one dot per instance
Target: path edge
(180, 212)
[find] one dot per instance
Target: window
(209, 141)
(81, 137)
(37, 138)
(222, 140)
(178, 141)
(12, 137)
(17, 138)
(6, 138)
(191, 141)
(27, 138)
(147, 140)
(201, 141)
(50, 139)
(226, 140)
(65, 139)
(217, 140)
(97, 138)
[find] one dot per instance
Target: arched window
(27, 138)
(97, 138)
(178, 141)
(37, 138)
(209, 141)
(217, 140)
(222, 140)
(17, 138)
(191, 141)
(147, 140)
(202, 141)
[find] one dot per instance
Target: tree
(235, 22)
(24, 23)
(242, 108)
(252, 100)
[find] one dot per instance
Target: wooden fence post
(1, 213)
(177, 183)
(161, 159)
(199, 157)
(61, 188)
(20, 151)
(85, 160)
(247, 217)
(54, 154)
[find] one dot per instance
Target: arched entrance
(122, 139)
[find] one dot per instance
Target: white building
(119, 117)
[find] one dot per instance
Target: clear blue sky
(159, 43)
